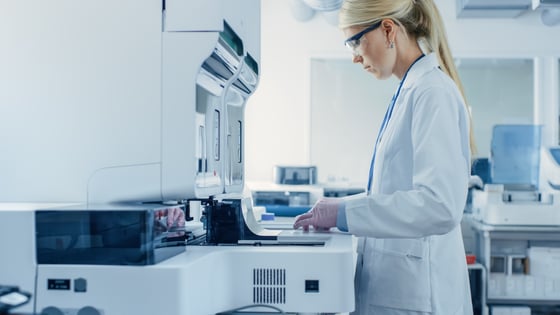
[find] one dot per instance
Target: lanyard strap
(386, 119)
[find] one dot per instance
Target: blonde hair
(420, 19)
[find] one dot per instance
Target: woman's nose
(357, 59)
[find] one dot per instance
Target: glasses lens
(352, 44)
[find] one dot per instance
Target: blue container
(515, 156)
(287, 211)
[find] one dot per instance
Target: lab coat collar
(420, 68)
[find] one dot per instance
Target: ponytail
(436, 40)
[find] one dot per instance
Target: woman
(411, 258)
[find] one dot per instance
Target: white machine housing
(202, 280)
(499, 206)
(494, 205)
(140, 101)
(219, 279)
(99, 99)
(520, 190)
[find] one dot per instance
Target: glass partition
(498, 91)
(348, 105)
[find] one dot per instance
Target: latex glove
(322, 216)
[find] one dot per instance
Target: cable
(280, 311)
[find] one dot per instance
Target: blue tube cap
(267, 216)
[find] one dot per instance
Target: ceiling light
(324, 5)
(301, 11)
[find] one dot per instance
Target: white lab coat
(411, 258)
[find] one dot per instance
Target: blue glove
(322, 216)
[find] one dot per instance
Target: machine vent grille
(269, 286)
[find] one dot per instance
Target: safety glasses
(354, 41)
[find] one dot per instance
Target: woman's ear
(389, 29)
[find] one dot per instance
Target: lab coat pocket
(400, 275)
(412, 248)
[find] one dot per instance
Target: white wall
(347, 109)
(278, 115)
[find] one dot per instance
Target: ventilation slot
(269, 286)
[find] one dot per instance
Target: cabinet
(522, 265)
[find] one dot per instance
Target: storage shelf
(489, 242)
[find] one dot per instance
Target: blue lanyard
(386, 119)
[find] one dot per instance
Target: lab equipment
(267, 216)
(283, 203)
(295, 175)
(337, 191)
(514, 197)
(521, 261)
(515, 156)
(132, 121)
(231, 221)
(198, 280)
(514, 213)
(155, 114)
(129, 234)
(283, 199)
